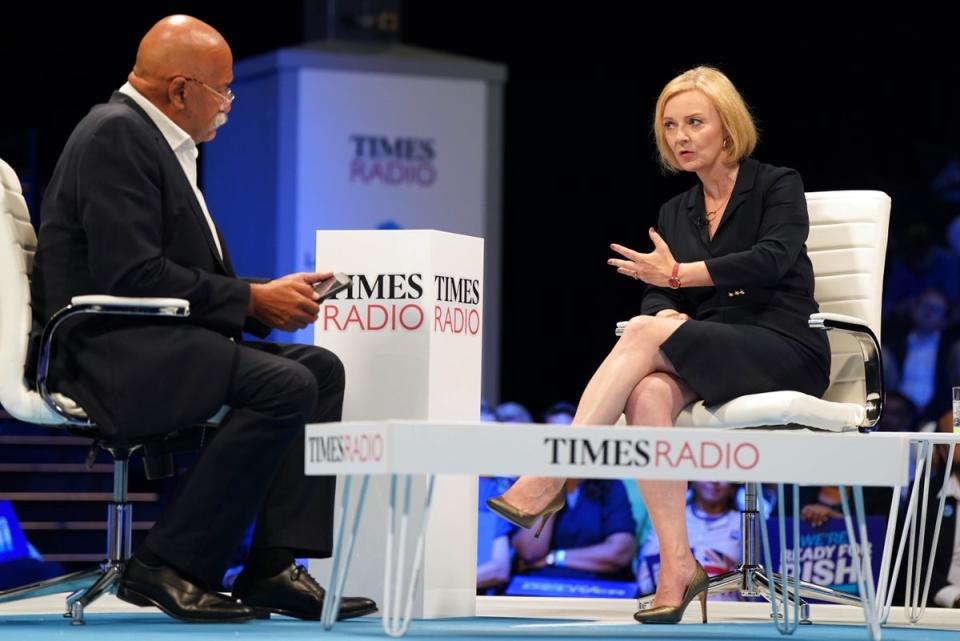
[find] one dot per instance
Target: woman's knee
(636, 328)
(647, 332)
(657, 395)
(654, 388)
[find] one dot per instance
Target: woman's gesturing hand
(654, 268)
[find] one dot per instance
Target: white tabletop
(933, 437)
(497, 449)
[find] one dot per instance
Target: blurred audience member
(953, 236)
(919, 265)
(818, 504)
(713, 525)
(592, 537)
(487, 414)
(923, 355)
(494, 555)
(510, 412)
(891, 370)
(559, 413)
(946, 184)
(899, 413)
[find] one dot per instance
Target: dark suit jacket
(119, 217)
(757, 258)
(942, 398)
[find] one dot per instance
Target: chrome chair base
(84, 587)
(87, 586)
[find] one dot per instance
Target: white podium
(409, 332)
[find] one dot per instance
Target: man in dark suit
(123, 215)
(923, 355)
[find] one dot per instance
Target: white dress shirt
(920, 368)
(183, 148)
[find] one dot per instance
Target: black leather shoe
(163, 587)
(294, 593)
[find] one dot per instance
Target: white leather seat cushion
(774, 408)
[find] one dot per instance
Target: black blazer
(757, 258)
(940, 401)
(119, 217)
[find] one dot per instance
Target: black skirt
(722, 361)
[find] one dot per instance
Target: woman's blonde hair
(739, 130)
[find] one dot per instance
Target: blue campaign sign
(13, 544)
(825, 557)
(551, 586)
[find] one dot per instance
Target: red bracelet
(674, 279)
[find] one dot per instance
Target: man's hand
(817, 514)
(287, 303)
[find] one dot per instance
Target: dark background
(851, 97)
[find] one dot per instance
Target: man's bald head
(177, 52)
(179, 45)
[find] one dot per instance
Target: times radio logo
(392, 162)
(346, 448)
(394, 302)
(661, 453)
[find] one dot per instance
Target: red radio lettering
(456, 320)
(372, 317)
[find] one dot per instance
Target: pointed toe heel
(664, 614)
(526, 520)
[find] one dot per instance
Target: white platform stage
(513, 617)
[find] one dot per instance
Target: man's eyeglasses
(227, 96)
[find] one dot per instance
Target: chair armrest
(122, 304)
(872, 358)
(842, 322)
(97, 305)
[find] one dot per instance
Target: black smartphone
(331, 286)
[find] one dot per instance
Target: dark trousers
(250, 469)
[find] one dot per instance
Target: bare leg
(636, 355)
(656, 401)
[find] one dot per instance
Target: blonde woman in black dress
(729, 291)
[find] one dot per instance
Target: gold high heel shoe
(664, 614)
(524, 519)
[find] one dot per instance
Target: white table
(428, 448)
(915, 519)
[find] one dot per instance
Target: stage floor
(504, 617)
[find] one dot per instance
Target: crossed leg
(635, 379)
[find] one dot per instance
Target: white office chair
(44, 406)
(847, 245)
